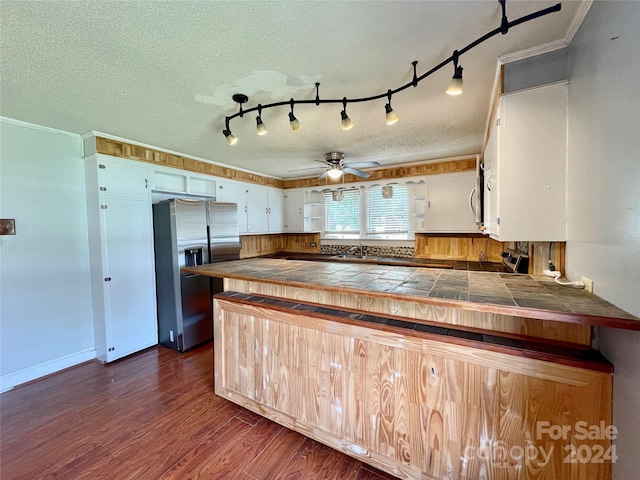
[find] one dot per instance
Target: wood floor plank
(270, 462)
(148, 416)
(338, 467)
(307, 462)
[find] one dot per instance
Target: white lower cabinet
(122, 263)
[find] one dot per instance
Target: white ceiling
(162, 73)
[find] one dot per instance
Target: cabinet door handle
(471, 205)
(429, 204)
(245, 209)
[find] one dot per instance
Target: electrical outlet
(588, 284)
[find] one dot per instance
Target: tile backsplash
(369, 250)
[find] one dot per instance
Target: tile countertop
(502, 293)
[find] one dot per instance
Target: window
(387, 211)
(382, 212)
(342, 215)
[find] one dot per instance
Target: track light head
(455, 86)
(231, 138)
(391, 115)
(347, 124)
(261, 129)
(293, 121)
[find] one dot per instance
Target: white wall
(45, 296)
(604, 193)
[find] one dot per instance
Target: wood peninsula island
(421, 372)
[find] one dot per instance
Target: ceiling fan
(335, 166)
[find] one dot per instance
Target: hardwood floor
(149, 416)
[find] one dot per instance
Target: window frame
(364, 212)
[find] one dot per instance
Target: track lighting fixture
(390, 114)
(293, 121)
(455, 87)
(347, 124)
(231, 138)
(261, 129)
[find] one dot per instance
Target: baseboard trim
(11, 380)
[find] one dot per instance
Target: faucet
(359, 248)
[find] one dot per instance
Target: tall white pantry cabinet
(121, 250)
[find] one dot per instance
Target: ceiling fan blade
(324, 175)
(322, 161)
(356, 172)
(301, 169)
(361, 164)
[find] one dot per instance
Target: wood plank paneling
(423, 409)
(258, 245)
(448, 247)
(123, 149)
(541, 252)
(431, 168)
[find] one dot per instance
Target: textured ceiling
(162, 73)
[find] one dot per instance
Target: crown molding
(579, 17)
(577, 20)
(532, 52)
(42, 128)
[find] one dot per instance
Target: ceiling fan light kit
(454, 88)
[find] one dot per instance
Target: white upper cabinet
(122, 179)
(257, 209)
(441, 203)
(173, 180)
(260, 208)
(234, 192)
(449, 203)
(294, 207)
(275, 205)
(526, 180)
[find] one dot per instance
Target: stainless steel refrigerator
(187, 233)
